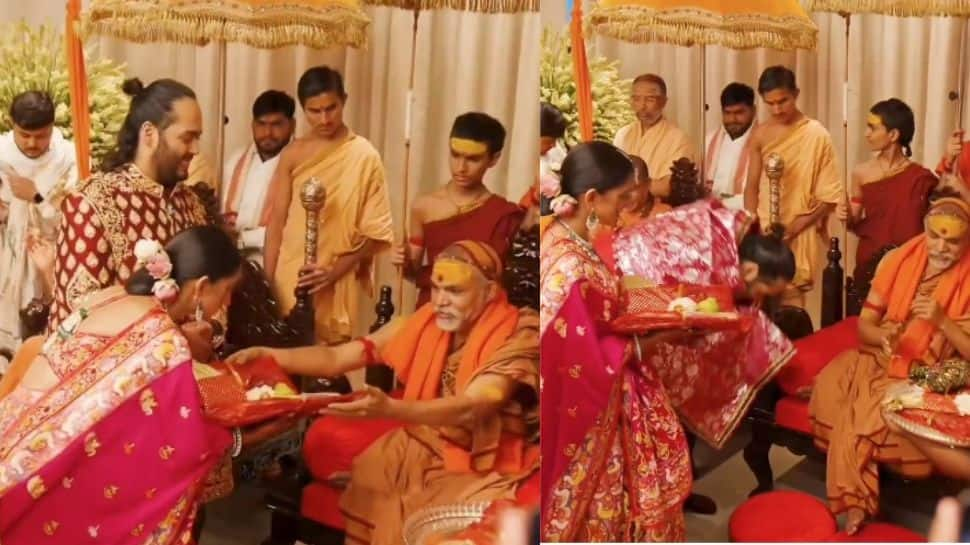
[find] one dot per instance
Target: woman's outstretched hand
(249, 354)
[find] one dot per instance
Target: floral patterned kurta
(615, 460)
(101, 222)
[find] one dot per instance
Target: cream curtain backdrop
(912, 59)
(465, 61)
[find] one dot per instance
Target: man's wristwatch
(38, 198)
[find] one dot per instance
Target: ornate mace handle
(313, 195)
(774, 169)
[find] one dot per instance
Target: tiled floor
(242, 519)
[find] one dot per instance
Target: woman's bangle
(237, 442)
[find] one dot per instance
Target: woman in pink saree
(103, 439)
(615, 465)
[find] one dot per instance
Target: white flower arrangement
(557, 86)
(33, 58)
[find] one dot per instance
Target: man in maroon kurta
(463, 209)
(138, 195)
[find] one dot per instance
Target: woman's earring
(198, 312)
(592, 221)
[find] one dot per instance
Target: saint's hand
(314, 278)
(955, 145)
(928, 309)
(247, 355)
(889, 337)
(23, 188)
(373, 403)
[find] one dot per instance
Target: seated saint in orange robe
(918, 309)
(469, 364)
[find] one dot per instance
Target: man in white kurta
(726, 158)
(653, 137)
(249, 171)
(37, 167)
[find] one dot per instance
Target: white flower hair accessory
(151, 255)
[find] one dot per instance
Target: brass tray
(919, 430)
(430, 522)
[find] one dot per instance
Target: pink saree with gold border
(117, 451)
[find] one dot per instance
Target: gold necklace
(475, 202)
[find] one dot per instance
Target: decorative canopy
(738, 24)
(898, 8)
(265, 24)
(481, 6)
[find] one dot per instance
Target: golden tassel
(898, 8)
(690, 27)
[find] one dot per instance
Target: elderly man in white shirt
(248, 171)
(726, 160)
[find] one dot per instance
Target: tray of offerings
(648, 307)
(259, 390)
(934, 404)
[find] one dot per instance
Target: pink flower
(563, 206)
(166, 290)
(159, 266)
(549, 186)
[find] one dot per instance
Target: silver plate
(922, 431)
(430, 522)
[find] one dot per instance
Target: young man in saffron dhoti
(469, 362)
(355, 222)
(917, 309)
(103, 437)
(811, 188)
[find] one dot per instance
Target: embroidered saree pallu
(649, 308)
(692, 252)
(259, 390)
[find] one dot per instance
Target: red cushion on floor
(792, 413)
(816, 351)
(321, 503)
(781, 516)
(880, 532)
(331, 443)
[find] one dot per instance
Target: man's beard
(167, 164)
(738, 131)
(271, 150)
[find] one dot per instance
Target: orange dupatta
(896, 282)
(418, 355)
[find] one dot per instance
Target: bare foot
(854, 521)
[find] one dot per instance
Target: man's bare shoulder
(430, 204)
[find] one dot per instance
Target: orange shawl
(897, 281)
(418, 355)
(25, 355)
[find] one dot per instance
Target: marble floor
(243, 520)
